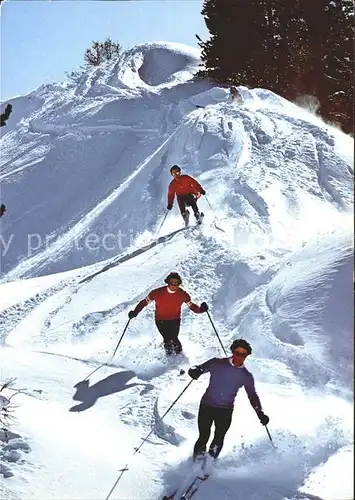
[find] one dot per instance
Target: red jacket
(168, 304)
(184, 184)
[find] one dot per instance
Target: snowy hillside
(84, 175)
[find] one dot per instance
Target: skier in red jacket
(187, 191)
(168, 301)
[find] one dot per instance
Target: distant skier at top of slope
(235, 94)
(168, 301)
(2, 209)
(228, 375)
(187, 191)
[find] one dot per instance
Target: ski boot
(169, 348)
(198, 455)
(214, 451)
(176, 346)
(199, 217)
(186, 216)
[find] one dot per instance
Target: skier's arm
(251, 393)
(191, 305)
(194, 307)
(254, 400)
(196, 371)
(149, 298)
(196, 185)
(171, 194)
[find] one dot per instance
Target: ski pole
(161, 225)
(163, 416)
(113, 355)
(209, 204)
(268, 433)
(214, 213)
(96, 369)
(124, 331)
(208, 314)
(146, 438)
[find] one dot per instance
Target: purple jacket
(225, 381)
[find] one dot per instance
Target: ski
(189, 487)
(194, 486)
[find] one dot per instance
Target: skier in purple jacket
(228, 375)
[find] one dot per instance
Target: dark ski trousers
(169, 329)
(207, 415)
(187, 200)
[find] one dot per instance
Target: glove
(169, 207)
(264, 419)
(195, 372)
(203, 191)
(132, 314)
(203, 307)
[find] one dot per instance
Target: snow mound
(312, 295)
(265, 171)
(158, 63)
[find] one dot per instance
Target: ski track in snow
(280, 274)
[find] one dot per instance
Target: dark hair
(175, 167)
(173, 276)
(243, 344)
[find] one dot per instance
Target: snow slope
(86, 166)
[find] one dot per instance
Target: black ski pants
(222, 419)
(169, 329)
(187, 200)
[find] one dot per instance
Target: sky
(41, 40)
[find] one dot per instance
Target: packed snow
(84, 175)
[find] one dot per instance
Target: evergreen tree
(101, 51)
(294, 48)
(330, 75)
(226, 56)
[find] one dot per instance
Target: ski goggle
(174, 283)
(240, 353)
(175, 172)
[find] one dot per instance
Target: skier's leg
(181, 199)
(182, 202)
(193, 205)
(170, 331)
(174, 326)
(192, 202)
(222, 422)
(205, 420)
(164, 330)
